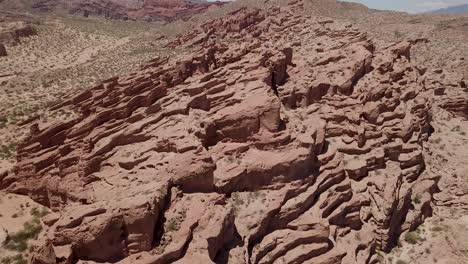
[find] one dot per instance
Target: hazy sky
(414, 6)
(410, 5)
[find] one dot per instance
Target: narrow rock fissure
(73, 259)
(124, 237)
(222, 257)
(187, 243)
(158, 231)
(360, 76)
(282, 125)
(274, 86)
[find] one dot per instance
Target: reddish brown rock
(14, 33)
(150, 10)
(256, 152)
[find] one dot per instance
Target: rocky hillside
(276, 137)
(150, 10)
(269, 132)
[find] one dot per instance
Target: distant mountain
(150, 10)
(453, 10)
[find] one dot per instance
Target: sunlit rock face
(279, 138)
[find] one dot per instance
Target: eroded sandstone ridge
(281, 138)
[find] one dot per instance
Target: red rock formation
(151, 10)
(14, 34)
(169, 10)
(102, 8)
(300, 143)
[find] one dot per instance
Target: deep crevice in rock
(222, 257)
(158, 230)
(274, 85)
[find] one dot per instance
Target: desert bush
(412, 237)
(417, 199)
(457, 128)
(398, 34)
(172, 225)
(19, 240)
(16, 259)
(437, 228)
(39, 213)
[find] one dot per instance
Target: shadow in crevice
(223, 255)
(282, 125)
(158, 231)
(274, 85)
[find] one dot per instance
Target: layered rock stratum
(150, 10)
(279, 138)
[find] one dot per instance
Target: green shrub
(398, 34)
(19, 241)
(417, 199)
(16, 259)
(39, 213)
(412, 237)
(173, 225)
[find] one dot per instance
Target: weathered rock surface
(151, 10)
(168, 10)
(13, 33)
(280, 138)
